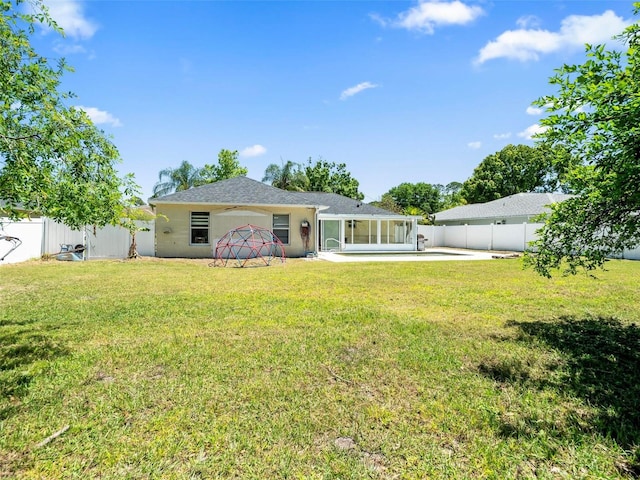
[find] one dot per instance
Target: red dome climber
(246, 243)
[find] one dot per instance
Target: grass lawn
(172, 369)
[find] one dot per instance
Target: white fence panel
(44, 236)
(509, 237)
(455, 236)
(57, 234)
(108, 242)
(30, 234)
(433, 236)
(514, 238)
(479, 237)
(531, 232)
(146, 240)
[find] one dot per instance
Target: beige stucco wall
(173, 233)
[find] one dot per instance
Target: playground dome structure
(248, 243)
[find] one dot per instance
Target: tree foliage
(133, 217)
(517, 169)
(332, 177)
(171, 180)
(53, 160)
(595, 116)
(228, 166)
(388, 203)
(187, 176)
(450, 195)
(288, 176)
(421, 196)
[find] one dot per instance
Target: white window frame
(281, 228)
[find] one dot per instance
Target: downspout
(316, 234)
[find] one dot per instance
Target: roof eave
(239, 204)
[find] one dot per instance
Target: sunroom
(367, 233)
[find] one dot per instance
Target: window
(360, 231)
(281, 227)
(200, 228)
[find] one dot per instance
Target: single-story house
(518, 208)
(191, 222)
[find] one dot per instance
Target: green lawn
(172, 369)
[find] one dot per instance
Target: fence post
(491, 236)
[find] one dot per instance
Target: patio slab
(429, 255)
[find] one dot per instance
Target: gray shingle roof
(246, 191)
(520, 204)
(232, 191)
(341, 205)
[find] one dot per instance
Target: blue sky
(398, 91)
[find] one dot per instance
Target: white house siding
(29, 232)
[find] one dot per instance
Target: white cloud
(253, 151)
(528, 21)
(502, 136)
(68, 49)
(527, 44)
(350, 92)
(532, 130)
(69, 14)
(428, 15)
(520, 45)
(534, 110)
(474, 145)
(100, 117)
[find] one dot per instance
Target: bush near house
(170, 369)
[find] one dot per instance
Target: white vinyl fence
(30, 233)
(43, 236)
(512, 238)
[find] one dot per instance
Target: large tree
(517, 169)
(184, 177)
(287, 176)
(596, 116)
(53, 160)
(332, 177)
(228, 166)
(421, 196)
(451, 195)
(387, 203)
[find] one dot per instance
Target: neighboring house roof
(518, 205)
(246, 191)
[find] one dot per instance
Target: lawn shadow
(19, 350)
(599, 362)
